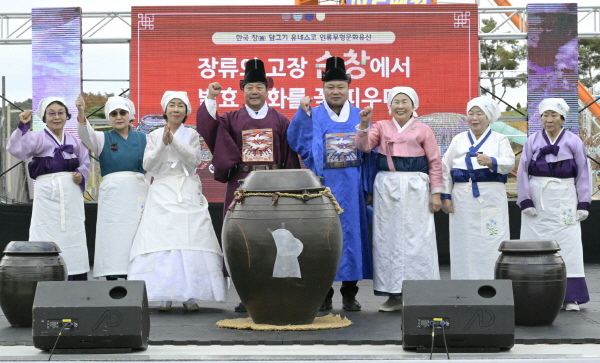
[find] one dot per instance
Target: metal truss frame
(15, 28)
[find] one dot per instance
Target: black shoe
(350, 304)
(327, 305)
(240, 308)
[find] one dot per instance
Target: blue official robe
(320, 141)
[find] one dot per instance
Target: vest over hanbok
(554, 178)
(121, 197)
(404, 243)
(242, 139)
(175, 249)
(58, 213)
(325, 142)
(480, 221)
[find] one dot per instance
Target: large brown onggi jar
(539, 279)
(23, 265)
(282, 244)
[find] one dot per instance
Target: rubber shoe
(240, 308)
(191, 305)
(165, 306)
(350, 304)
(571, 306)
(327, 305)
(393, 303)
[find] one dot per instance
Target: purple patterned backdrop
(56, 49)
(552, 67)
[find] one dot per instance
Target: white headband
(407, 91)
(554, 104)
(45, 102)
(117, 102)
(487, 105)
(169, 95)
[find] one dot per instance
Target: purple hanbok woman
(61, 166)
(553, 182)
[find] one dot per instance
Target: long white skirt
(120, 205)
(178, 275)
(477, 227)
(556, 203)
(58, 216)
(176, 250)
(404, 244)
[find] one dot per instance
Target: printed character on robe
(553, 182)
(324, 137)
(251, 138)
(175, 249)
(123, 190)
(406, 194)
(475, 167)
(60, 165)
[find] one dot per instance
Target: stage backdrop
(433, 49)
(552, 50)
(56, 52)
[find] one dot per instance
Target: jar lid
(33, 247)
(281, 180)
(523, 245)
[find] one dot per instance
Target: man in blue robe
(324, 137)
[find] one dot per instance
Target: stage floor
(370, 327)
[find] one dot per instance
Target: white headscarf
(45, 102)
(554, 104)
(117, 102)
(407, 91)
(487, 105)
(169, 95)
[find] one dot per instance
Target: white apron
(555, 200)
(58, 216)
(120, 206)
(176, 250)
(175, 217)
(404, 244)
(477, 227)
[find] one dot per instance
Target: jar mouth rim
(31, 247)
(529, 246)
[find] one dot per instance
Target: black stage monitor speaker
(91, 315)
(474, 314)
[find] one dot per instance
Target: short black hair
(184, 118)
(61, 104)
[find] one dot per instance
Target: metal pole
(3, 135)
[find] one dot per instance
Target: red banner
(433, 49)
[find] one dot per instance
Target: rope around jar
(241, 194)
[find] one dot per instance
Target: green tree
(93, 101)
(589, 62)
(499, 56)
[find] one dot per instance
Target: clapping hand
(167, 136)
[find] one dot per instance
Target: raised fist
(365, 117)
(305, 103)
(80, 104)
(25, 116)
(214, 89)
